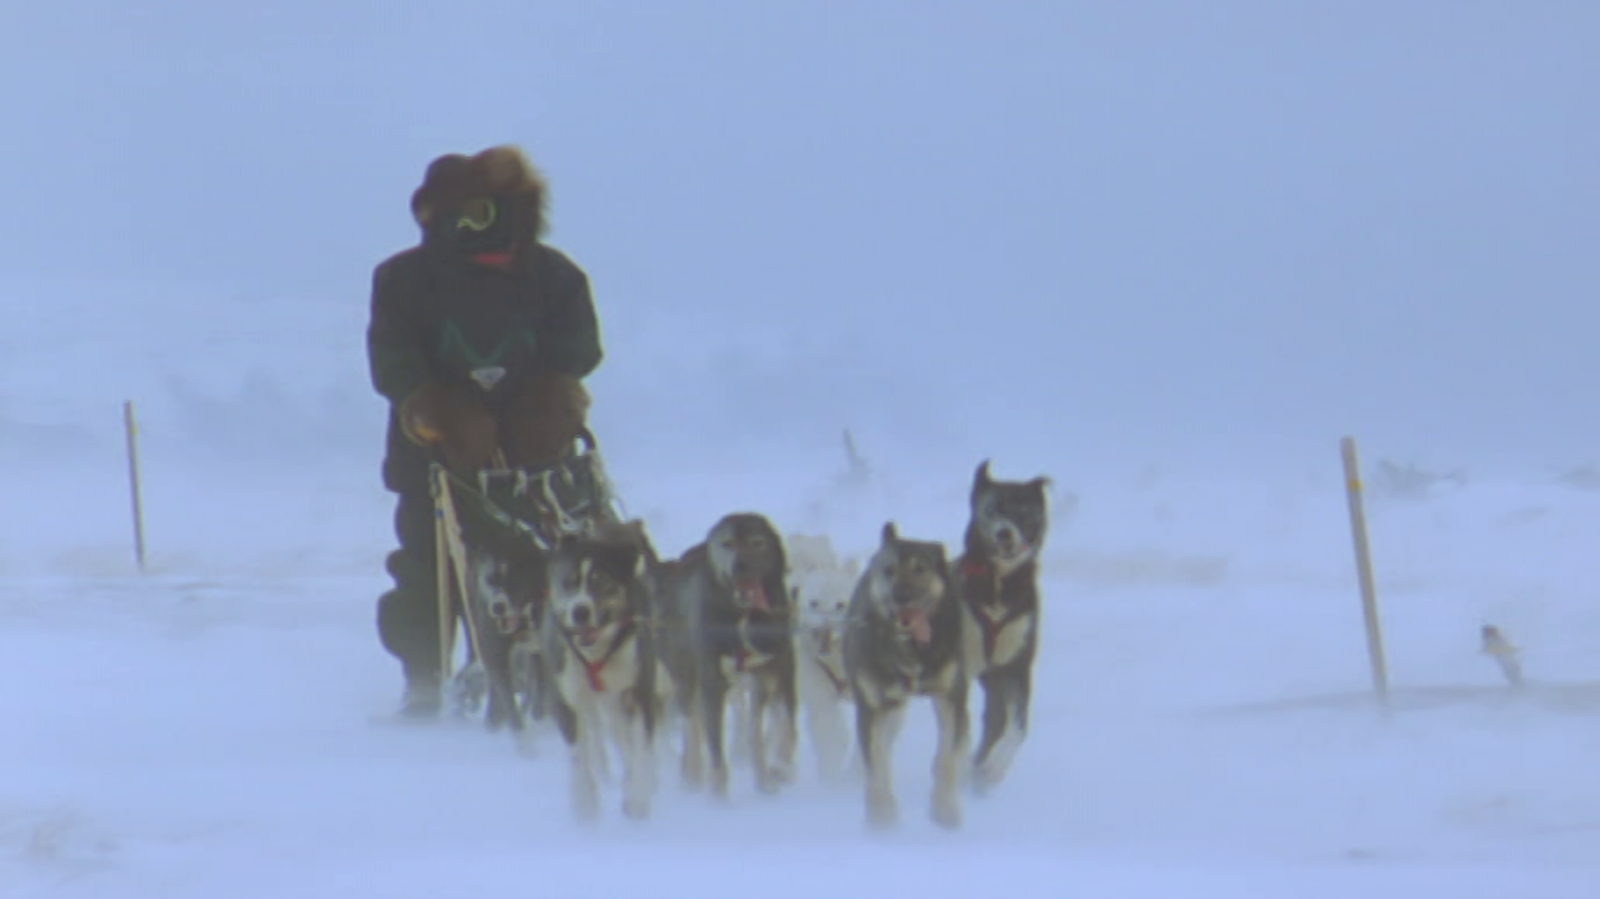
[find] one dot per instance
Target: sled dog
(506, 580)
(727, 607)
(904, 640)
(819, 594)
(599, 651)
(821, 599)
(997, 579)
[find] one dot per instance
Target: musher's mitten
(544, 419)
(453, 420)
(422, 415)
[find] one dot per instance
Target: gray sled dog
(599, 652)
(728, 626)
(905, 640)
(997, 580)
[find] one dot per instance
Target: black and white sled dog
(905, 640)
(997, 580)
(599, 651)
(727, 609)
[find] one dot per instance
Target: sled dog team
(619, 643)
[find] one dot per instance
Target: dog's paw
(720, 782)
(693, 772)
(983, 778)
(883, 812)
(636, 808)
(946, 812)
(769, 781)
(883, 816)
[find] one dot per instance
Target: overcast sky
(1206, 224)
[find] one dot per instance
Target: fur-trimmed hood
(501, 171)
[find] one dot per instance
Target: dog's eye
(816, 604)
(888, 571)
(838, 607)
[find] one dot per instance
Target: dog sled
(503, 511)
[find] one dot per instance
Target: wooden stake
(1369, 597)
(133, 482)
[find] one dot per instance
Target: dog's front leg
(575, 724)
(788, 714)
(713, 707)
(638, 759)
(741, 696)
(694, 742)
(880, 727)
(1005, 690)
(766, 781)
(950, 712)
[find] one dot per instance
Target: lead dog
(905, 640)
(997, 579)
(728, 625)
(600, 652)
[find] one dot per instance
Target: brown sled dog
(904, 640)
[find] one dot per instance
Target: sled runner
(484, 523)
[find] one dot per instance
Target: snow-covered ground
(1202, 727)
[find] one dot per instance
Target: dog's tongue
(753, 593)
(916, 621)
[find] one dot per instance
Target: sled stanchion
(1369, 593)
(131, 429)
(442, 561)
(456, 551)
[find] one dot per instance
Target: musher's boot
(424, 697)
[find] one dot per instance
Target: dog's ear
(1043, 484)
(980, 478)
(890, 535)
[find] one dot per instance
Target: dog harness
(992, 616)
(594, 667)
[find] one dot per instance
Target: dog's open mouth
(752, 593)
(1011, 552)
(914, 620)
(508, 623)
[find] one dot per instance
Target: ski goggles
(477, 215)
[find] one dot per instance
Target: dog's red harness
(593, 667)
